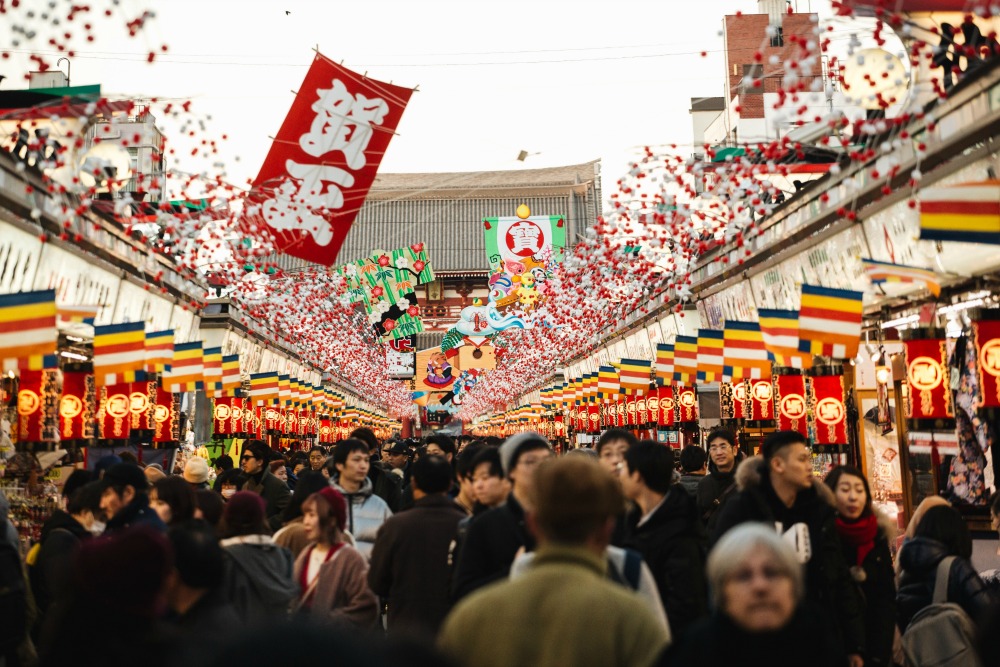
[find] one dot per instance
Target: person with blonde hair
(761, 617)
(563, 610)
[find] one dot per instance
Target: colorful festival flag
(187, 370)
(780, 331)
(634, 375)
(213, 371)
(830, 321)
(28, 331)
(968, 212)
(744, 353)
(324, 159)
(159, 350)
(664, 364)
(119, 353)
(607, 382)
(710, 355)
(887, 272)
(685, 359)
(85, 314)
(231, 378)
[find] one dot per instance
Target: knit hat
(515, 445)
(125, 571)
(196, 470)
(244, 512)
(337, 505)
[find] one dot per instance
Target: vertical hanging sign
(792, 405)
(324, 159)
(75, 408)
(927, 375)
(987, 336)
(829, 411)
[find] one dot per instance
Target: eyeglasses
(719, 448)
(247, 457)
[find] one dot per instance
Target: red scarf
(859, 534)
(304, 575)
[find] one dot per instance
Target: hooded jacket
(918, 561)
(366, 512)
(810, 526)
(51, 573)
(257, 577)
(672, 543)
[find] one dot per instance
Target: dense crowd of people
(489, 552)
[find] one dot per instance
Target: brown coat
(341, 594)
(292, 537)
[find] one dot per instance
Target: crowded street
(426, 332)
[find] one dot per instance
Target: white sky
(239, 60)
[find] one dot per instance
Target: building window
(778, 38)
(751, 74)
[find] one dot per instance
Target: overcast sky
(567, 81)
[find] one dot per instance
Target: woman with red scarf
(332, 575)
(865, 537)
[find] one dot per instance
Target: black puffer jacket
(876, 581)
(918, 561)
(812, 520)
(673, 544)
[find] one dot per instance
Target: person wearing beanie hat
(332, 575)
(196, 472)
(257, 573)
(124, 499)
(154, 473)
(494, 537)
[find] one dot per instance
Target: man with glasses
(254, 463)
(716, 487)
(496, 536)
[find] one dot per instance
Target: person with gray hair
(761, 616)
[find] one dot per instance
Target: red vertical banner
(238, 407)
(114, 411)
(166, 420)
(324, 159)
(987, 339)
(222, 416)
(927, 375)
(642, 410)
(829, 411)
(653, 406)
(559, 426)
(76, 406)
(30, 407)
(760, 400)
(630, 411)
(594, 418)
(740, 399)
(792, 404)
(687, 405)
(141, 403)
(666, 416)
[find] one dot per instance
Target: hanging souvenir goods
(987, 339)
(166, 418)
(37, 406)
(792, 405)
(686, 404)
(76, 406)
(829, 410)
(324, 159)
(927, 374)
(114, 411)
(760, 401)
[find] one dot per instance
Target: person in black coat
(255, 463)
(409, 563)
(760, 617)
(719, 484)
(865, 536)
(941, 533)
(664, 528)
(495, 536)
(782, 492)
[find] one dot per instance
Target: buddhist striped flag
(85, 314)
(187, 370)
(231, 379)
(710, 354)
(213, 371)
(967, 212)
(887, 272)
(664, 364)
(285, 389)
(28, 331)
(264, 388)
(830, 321)
(607, 382)
(119, 353)
(745, 354)
(780, 331)
(685, 359)
(159, 351)
(634, 376)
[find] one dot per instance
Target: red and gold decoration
(927, 375)
(166, 417)
(987, 339)
(760, 401)
(37, 406)
(792, 404)
(686, 405)
(76, 406)
(114, 411)
(829, 410)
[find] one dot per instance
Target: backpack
(941, 634)
(13, 594)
